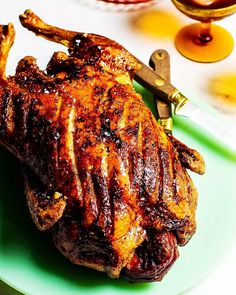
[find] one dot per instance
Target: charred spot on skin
(107, 134)
(99, 90)
(44, 198)
(28, 63)
(105, 204)
(73, 67)
(119, 90)
(21, 101)
(86, 143)
(70, 66)
(5, 99)
(56, 133)
(5, 105)
(79, 41)
(118, 112)
(4, 31)
(80, 119)
(83, 48)
(115, 189)
(86, 77)
(36, 82)
(171, 222)
(132, 130)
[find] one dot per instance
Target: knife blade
(222, 132)
(158, 85)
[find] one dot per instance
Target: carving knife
(160, 62)
(183, 106)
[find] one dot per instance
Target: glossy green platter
(30, 263)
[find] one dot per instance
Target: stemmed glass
(204, 41)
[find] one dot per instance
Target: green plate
(30, 263)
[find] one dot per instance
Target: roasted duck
(100, 173)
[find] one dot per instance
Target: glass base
(218, 48)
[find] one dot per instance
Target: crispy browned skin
(99, 171)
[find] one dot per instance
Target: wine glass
(118, 5)
(204, 41)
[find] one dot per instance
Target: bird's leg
(152, 259)
(46, 207)
(7, 36)
(65, 37)
(32, 22)
(189, 158)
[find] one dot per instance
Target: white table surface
(222, 279)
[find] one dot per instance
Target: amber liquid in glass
(202, 42)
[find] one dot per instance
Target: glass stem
(205, 32)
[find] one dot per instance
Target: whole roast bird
(100, 173)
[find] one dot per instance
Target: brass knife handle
(159, 86)
(160, 62)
